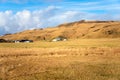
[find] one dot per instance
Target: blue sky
(95, 6)
(19, 15)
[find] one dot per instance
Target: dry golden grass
(82, 59)
(71, 31)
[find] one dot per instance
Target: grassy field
(81, 59)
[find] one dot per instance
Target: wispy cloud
(31, 14)
(50, 16)
(95, 5)
(25, 1)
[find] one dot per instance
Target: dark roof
(25, 40)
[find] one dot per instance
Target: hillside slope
(88, 29)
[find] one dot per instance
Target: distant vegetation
(15, 41)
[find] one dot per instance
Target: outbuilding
(2, 40)
(23, 41)
(59, 39)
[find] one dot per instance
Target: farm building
(59, 39)
(2, 40)
(23, 41)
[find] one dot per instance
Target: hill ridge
(73, 30)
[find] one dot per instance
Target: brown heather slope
(88, 29)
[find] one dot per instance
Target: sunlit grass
(64, 44)
(80, 59)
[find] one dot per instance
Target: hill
(79, 29)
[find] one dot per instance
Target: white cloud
(22, 20)
(68, 16)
